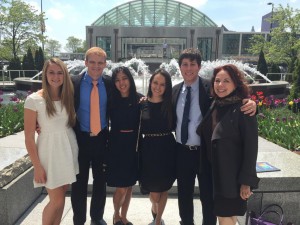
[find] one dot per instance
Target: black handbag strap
(138, 133)
(266, 211)
(273, 206)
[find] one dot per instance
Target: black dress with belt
(157, 165)
(122, 159)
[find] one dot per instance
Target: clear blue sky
(67, 18)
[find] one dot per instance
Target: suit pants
(91, 154)
(188, 162)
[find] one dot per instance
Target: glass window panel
(231, 44)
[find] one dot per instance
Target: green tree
(283, 44)
(274, 72)
(52, 47)
(73, 44)
(262, 64)
(14, 64)
(83, 47)
(25, 63)
(20, 25)
(295, 91)
(39, 59)
(31, 65)
(274, 68)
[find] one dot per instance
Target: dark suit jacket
(204, 96)
(76, 82)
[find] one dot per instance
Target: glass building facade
(158, 30)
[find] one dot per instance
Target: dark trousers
(91, 154)
(188, 163)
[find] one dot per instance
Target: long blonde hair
(66, 91)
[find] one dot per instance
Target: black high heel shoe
(128, 223)
(118, 222)
(153, 214)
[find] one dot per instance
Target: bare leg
(118, 200)
(53, 211)
(159, 201)
(125, 205)
(227, 220)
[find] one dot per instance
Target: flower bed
(279, 120)
(11, 115)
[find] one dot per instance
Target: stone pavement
(139, 211)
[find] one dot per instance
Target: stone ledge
(17, 196)
(12, 171)
(280, 187)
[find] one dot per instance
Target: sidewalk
(139, 212)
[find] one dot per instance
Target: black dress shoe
(98, 222)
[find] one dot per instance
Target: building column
(218, 31)
(90, 33)
(192, 38)
(116, 31)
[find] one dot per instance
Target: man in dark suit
(91, 146)
(188, 151)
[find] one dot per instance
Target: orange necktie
(95, 122)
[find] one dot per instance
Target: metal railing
(8, 76)
(280, 76)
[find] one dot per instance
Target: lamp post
(271, 24)
(42, 24)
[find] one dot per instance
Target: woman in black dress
(158, 144)
(231, 141)
(122, 164)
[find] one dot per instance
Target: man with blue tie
(91, 89)
(191, 100)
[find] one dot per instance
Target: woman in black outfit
(231, 141)
(158, 144)
(122, 164)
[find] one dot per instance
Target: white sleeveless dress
(56, 144)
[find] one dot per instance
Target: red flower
(253, 97)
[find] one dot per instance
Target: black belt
(191, 147)
(158, 134)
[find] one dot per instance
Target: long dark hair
(115, 93)
(242, 90)
(167, 96)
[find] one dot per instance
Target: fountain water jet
(141, 73)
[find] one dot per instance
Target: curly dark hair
(242, 89)
(191, 54)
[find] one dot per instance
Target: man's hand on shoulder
(249, 107)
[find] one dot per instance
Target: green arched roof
(154, 13)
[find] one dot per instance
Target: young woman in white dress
(54, 154)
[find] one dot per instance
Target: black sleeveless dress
(157, 152)
(122, 158)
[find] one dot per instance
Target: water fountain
(34, 83)
(257, 81)
(141, 75)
